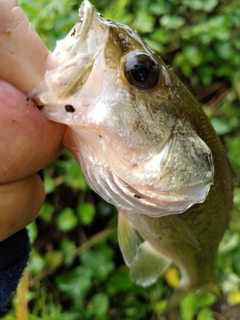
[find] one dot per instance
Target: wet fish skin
(151, 151)
(208, 220)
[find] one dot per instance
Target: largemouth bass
(144, 145)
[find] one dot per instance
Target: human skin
(28, 141)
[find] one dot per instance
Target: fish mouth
(77, 35)
(76, 53)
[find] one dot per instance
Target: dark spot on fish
(69, 108)
(137, 196)
(73, 32)
(100, 136)
(207, 157)
(39, 107)
(27, 99)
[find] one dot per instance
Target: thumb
(24, 57)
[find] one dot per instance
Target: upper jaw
(76, 53)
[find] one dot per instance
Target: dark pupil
(140, 73)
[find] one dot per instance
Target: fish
(144, 145)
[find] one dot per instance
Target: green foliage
(86, 212)
(66, 220)
(76, 255)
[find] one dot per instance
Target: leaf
(234, 297)
(172, 22)
(66, 220)
(37, 263)
(73, 173)
(233, 147)
(75, 283)
(143, 22)
(32, 231)
(206, 5)
(120, 280)
(220, 126)
(98, 305)
(86, 212)
(54, 258)
(236, 198)
(205, 314)
(46, 212)
(49, 183)
(188, 307)
(99, 262)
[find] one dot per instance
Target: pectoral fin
(182, 229)
(128, 238)
(148, 265)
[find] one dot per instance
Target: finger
(28, 140)
(24, 57)
(20, 202)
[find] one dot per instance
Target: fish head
(128, 125)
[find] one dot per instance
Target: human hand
(28, 140)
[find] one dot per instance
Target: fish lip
(76, 54)
(85, 19)
(69, 46)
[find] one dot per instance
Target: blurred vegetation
(76, 270)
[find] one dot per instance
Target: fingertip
(29, 141)
(20, 203)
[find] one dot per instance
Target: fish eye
(141, 71)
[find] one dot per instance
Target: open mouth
(76, 53)
(72, 44)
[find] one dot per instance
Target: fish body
(144, 145)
